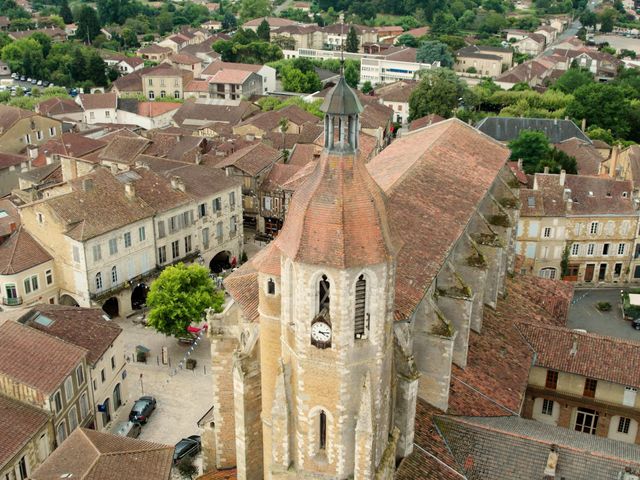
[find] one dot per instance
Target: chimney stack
(114, 168)
(584, 124)
(130, 190)
(574, 346)
(552, 463)
(520, 164)
(546, 170)
(177, 183)
(563, 177)
(613, 161)
(32, 152)
(87, 184)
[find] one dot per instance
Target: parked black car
(142, 409)
(187, 447)
(636, 324)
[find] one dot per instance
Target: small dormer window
(271, 287)
(625, 194)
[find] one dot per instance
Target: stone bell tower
(326, 317)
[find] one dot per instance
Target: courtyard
(583, 314)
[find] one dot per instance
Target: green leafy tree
(164, 23)
(88, 24)
(179, 296)
(444, 24)
(439, 92)
(434, 51)
(598, 133)
(367, 87)
(406, 40)
(264, 31)
(44, 41)
(352, 74)
(96, 70)
(129, 38)
(65, 12)
(588, 19)
(573, 79)
(605, 105)
(492, 23)
(250, 9)
(532, 146)
(295, 80)
(229, 21)
(352, 45)
(607, 20)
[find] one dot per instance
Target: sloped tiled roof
(517, 449)
(252, 159)
(21, 252)
(19, 423)
(10, 160)
(269, 121)
(91, 101)
(84, 327)
(215, 67)
(505, 129)
(236, 77)
(278, 176)
(58, 106)
(588, 159)
(91, 455)
(198, 114)
(440, 172)
(10, 115)
(124, 149)
(425, 121)
(596, 356)
(24, 351)
(397, 91)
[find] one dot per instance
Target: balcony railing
(11, 302)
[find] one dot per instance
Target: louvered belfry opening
(324, 294)
(361, 292)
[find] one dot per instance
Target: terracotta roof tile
(10, 160)
(58, 106)
(98, 100)
(278, 176)
(91, 455)
(441, 172)
(19, 423)
(21, 252)
(124, 149)
(215, 67)
(236, 77)
(270, 121)
(197, 86)
(425, 121)
(587, 157)
(10, 115)
(84, 327)
(193, 114)
(252, 159)
(24, 350)
(397, 91)
(596, 356)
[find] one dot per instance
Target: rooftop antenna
(342, 42)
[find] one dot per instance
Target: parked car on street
(636, 324)
(128, 429)
(187, 447)
(142, 409)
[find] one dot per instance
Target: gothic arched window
(271, 287)
(98, 281)
(360, 324)
(322, 441)
(323, 294)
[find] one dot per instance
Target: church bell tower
(326, 318)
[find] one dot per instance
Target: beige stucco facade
(34, 130)
(31, 455)
(34, 285)
(112, 391)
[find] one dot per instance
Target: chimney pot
(520, 164)
(574, 346)
(546, 169)
(563, 177)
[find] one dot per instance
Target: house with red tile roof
(147, 115)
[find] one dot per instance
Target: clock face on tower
(321, 334)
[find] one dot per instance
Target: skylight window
(3, 214)
(44, 321)
(531, 201)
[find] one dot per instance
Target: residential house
(532, 44)
(389, 34)
(251, 165)
(4, 23)
(88, 328)
(107, 456)
(301, 36)
(203, 51)
(267, 73)
(274, 23)
(5, 71)
(54, 33)
(101, 233)
(27, 271)
(474, 61)
(194, 115)
(185, 61)
(26, 436)
(588, 159)
(506, 129)
(10, 167)
(60, 389)
(198, 211)
(235, 85)
(197, 89)
(376, 122)
(515, 34)
(165, 81)
(129, 65)
(274, 197)
(624, 164)
(154, 52)
(335, 35)
(271, 121)
(99, 107)
(175, 42)
(396, 96)
(20, 129)
(571, 386)
(531, 72)
(603, 65)
(548, 32)
(212, 25)
(588, 222)
(505, 54)
(304, 6)
(425, 121)
(60, 109)
(147, 115)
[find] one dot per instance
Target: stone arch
(68, 300)
(111, 307)
(220, 261)
(139, 296)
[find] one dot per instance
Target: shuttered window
(361, 292)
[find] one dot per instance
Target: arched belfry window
(360, 321)
(322, 430)
(323, 294)
(271, 287)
